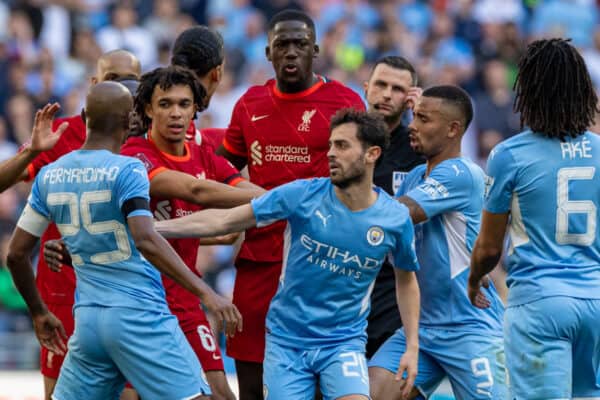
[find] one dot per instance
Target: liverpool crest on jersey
(306, 119)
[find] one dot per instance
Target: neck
(451, 151)
(170, 147)
(296, 87)
(101, 142)
(359, 195)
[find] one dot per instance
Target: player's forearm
(13, 169)
(217, 195)
(24, 279)
(483, 260)
(408, 297)
(206, 223)
(160, 254)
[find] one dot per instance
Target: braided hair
(554, 91)
(198, 48)
(165, 78)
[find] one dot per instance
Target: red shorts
(50, 363)
(255, 286)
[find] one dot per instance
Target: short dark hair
(398, 62)
(199, 48)
(291, 15)
(372, 130)
(554, 91)
(165, 78)
(453, 95)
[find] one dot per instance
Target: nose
(331, 153)
(291, 51)
(175, 112)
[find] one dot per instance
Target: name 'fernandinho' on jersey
(61, 175)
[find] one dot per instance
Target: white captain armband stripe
(32, 221)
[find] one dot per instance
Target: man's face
(430, 127)
(291, 50)
(387, 91)
(116, 68)
(346, 156)
(171, 111)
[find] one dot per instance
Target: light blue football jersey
(452, 198)
(552, 190)
(331, 258)
(83, 192)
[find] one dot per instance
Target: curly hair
(554, 91)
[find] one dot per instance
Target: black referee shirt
(384, 318)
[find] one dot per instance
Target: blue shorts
(292, 373)
(146, 348)
(473, 363)
(553, 349)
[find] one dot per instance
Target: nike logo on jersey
(258, 118)
(322, 217)
(216, 357)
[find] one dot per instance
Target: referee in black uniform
(390, 91)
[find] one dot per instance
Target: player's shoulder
(136, 144)
(75, 128)
(393, 211)
(258, 91)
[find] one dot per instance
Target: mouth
(333, 167)
(382, 107)
(175, 128)
(290, 68)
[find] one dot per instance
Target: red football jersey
(198, 161)
(57, 287)
(284, 137)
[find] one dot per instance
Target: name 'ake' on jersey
(83, 193)
(552, 190)
(331, 258)
(452, 198)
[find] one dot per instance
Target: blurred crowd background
(49, 48)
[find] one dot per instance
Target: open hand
(56, 255)
(50, 332)
(476, 295)
(42, 136)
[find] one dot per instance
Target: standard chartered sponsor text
(289, 153)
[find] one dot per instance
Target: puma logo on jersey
(456, 169)
(322, 217)
(258, 117)
(140, 171)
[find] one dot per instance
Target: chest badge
(306, 119)
(375, 236)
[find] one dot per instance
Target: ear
(268, 53)
(148, 110)
(93, 80)
(372, 154)
(217, 73)
(83, 115)
(366, 87)
(455, 129)
(316, 50)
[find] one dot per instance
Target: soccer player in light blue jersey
(445, 198)
(123, 327)
(545, 183)
(339, 231)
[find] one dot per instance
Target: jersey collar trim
(322, 80)
(186, 157)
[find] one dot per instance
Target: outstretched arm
(486, 254)
(13, 170)
(174, 184)
(208, 223)
(158, 251)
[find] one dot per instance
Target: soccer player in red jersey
(280, 131)
(58, 289)
(168, 99)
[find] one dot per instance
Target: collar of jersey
(182, 158)
(322, 80)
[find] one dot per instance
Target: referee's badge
(375, 236)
